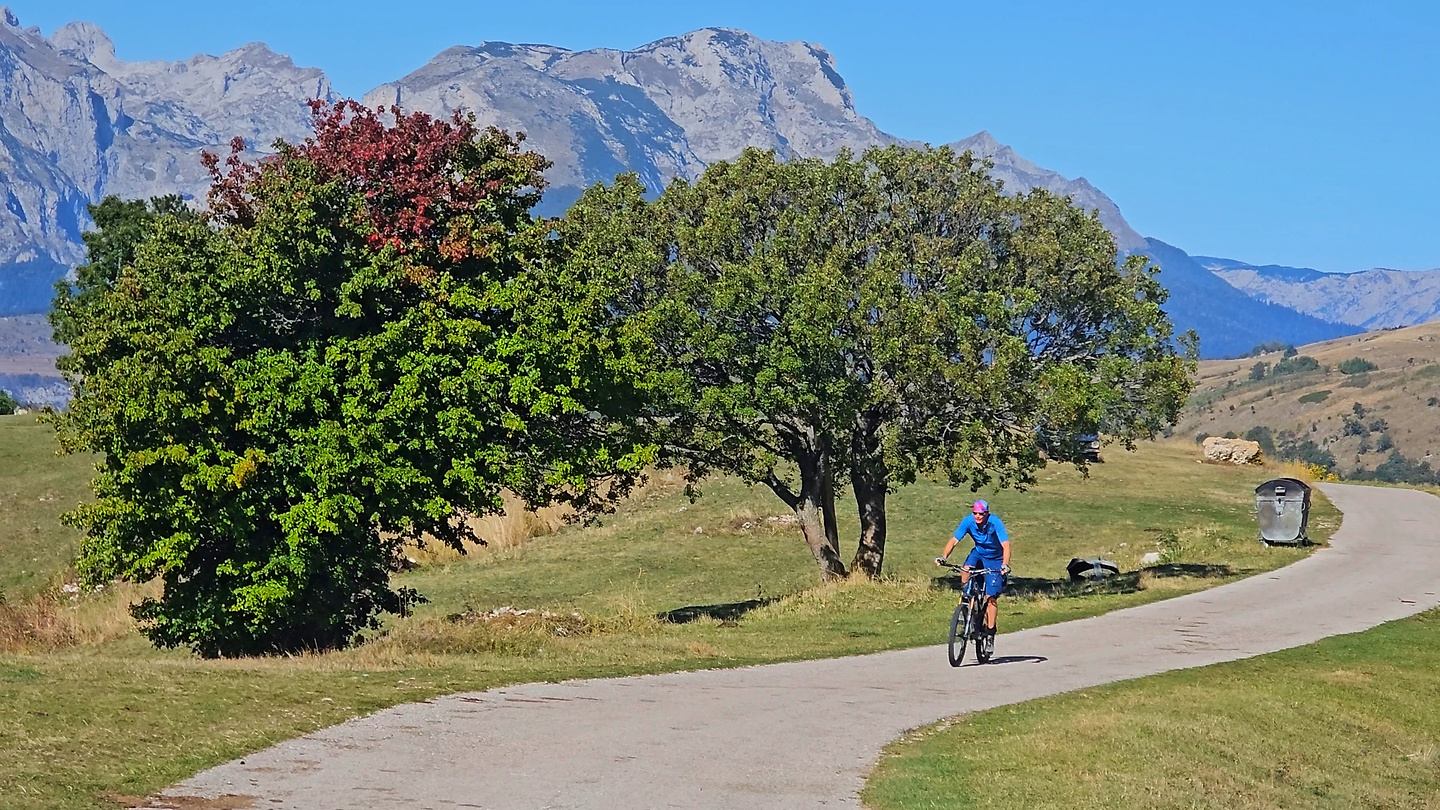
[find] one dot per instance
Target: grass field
(1352, 721)
(79, 721)
(35, 487)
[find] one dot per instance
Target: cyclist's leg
(994, 583)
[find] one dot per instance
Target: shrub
(1259, 370)
(7, 403)
(1357, 365)
(1201, 437)
(1295, 365)
(1397, 469)
(1262, 436)
(1315, 396)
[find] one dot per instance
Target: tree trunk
(814, 507)
(870, 501)
(871, 481)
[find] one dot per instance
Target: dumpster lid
(1279, 486)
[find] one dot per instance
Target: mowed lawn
(1349, 722)
(83, 724)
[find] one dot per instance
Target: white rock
(1231, 451)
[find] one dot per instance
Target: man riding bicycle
(992, 551)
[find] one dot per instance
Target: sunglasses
(980, 514)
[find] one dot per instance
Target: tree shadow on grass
(1128, 582)
(725, 612)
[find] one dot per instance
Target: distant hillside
(1400, 398)
(27, 361)
(1229, 322)
(1373, 299)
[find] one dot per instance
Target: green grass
(124, 718)
(1314, 396)
(36, 485)
(1352, 721)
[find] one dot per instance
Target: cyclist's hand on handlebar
(1005, 569)
(941, 561)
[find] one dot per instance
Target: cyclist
(992, 551)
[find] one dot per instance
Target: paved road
(803, 735)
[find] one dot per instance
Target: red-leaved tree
(366, 341)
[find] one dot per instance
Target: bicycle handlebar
(958, 568)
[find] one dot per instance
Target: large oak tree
(806, 324)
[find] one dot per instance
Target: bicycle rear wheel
(959, 632)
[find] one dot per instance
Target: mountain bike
(968, 621)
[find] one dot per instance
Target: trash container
(1282, 506)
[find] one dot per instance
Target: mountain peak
(84, 39)
(10, 18)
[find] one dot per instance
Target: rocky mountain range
(1371, 299)
(76, 123)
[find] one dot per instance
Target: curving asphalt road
(803, 735)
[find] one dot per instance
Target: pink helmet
(981, 508)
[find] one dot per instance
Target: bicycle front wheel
(959, 632)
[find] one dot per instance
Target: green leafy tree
(1262, 436)
(342, 356)
(868, 320)
(1356, 365)
(1258, 371)
(7, 403)
(120, 227)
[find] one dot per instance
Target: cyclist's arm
(1004, 538)
(950, 546)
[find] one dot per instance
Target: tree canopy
(806, 324)
(359, 343)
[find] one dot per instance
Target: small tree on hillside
(343, 357)
(7, 403)
(871, 319)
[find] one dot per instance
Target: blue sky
(1300, 133)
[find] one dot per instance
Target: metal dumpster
(1282, 506)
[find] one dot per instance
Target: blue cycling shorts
(994, 583)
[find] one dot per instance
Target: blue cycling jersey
(987, 538)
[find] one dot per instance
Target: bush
(1259, 370)
(1315, 396)
(1357, 365)
(1295, 365)
(7, 403)
(1289, 447)
(1272, 346)
(1397, 469)
(1262, 436)
(1201, 437)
